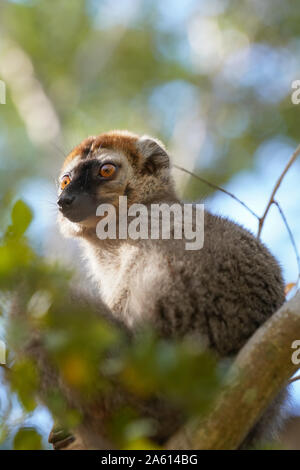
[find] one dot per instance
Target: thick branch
(260, 370)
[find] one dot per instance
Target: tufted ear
(155, 155)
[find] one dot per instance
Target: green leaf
(25, 381)
(27, 439)
(21, 218)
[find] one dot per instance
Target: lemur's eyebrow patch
(115, 140)
(69, 166)
(125, 143)
(82, 151)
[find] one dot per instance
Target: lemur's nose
(65, 201)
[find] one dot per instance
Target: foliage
(89, 354)
(216, 75)
(26, 439)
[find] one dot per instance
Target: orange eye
(65, 181)
(107, 170)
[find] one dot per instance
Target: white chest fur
(113, 272)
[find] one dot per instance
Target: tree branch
(259, 372)
(276, 187)
(218, 188)
(294, 379)
(291, 238)
(272, 201)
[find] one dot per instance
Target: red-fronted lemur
(222, 292)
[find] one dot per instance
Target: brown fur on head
(142, 173)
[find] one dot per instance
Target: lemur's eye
(107, 170)
(65, 181)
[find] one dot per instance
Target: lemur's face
(87, 182)
(103, 168)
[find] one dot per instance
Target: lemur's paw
(60, 438)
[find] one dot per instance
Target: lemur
(222, 292)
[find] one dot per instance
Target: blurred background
(212, 79)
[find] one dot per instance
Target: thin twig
(271, 201)
(291, 238)
(294, 379)
(214, 186)
(276, 187)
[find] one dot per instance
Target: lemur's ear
(154, 153)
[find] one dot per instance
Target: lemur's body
(215, 291)
(222, 292)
